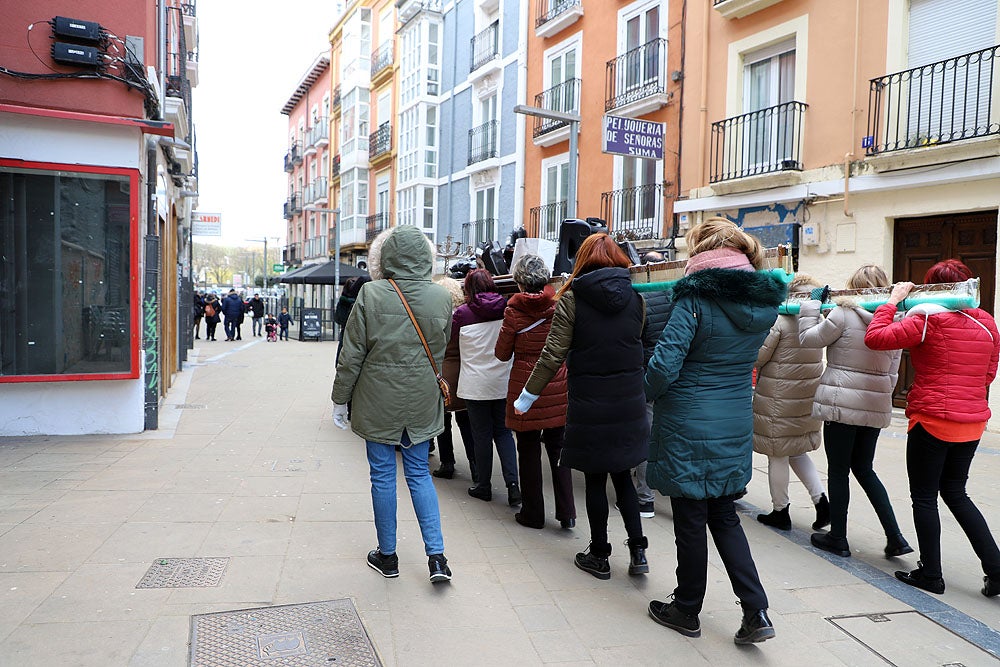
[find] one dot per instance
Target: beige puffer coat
(787, 377)
(856, 387)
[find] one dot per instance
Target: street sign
(277, 268)
(630, 136)
(206, 224)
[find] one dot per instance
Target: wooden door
(920, 243)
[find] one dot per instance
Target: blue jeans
(230, 326)
(382, 462)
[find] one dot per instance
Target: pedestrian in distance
(482, 383)
(784, 428)
(284, 321)
(271, 327)
(256, 309)
(597, 331)
(213, 310)
(954, 355)
(701, 450)
(198, 312)
(232, 309)
(345, 304)
(245, 308)
(526, 323)
(384, 369)
(854, 400)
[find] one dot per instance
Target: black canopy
(294, 277)
(324, 274)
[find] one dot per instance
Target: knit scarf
(720, 258)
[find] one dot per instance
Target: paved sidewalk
(248, 465)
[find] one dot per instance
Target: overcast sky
(251, 56)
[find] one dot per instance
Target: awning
(295, 277)
(324, 274)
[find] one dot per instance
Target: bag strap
(532, 326)
(427, 349)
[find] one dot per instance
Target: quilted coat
(856, 387)
(383, 368)
(476, 326)
(954, 354)
(534, 310)
(701, 445)
(787, 377)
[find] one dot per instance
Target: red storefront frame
(134, 274)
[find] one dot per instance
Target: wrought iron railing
(546, 220)
(550, 9)
(562, 97)
(758, 142)
(292, 157)
(316, 190)
(485, 46)
(380, 141)
(375, 225)
(636, 74)
(634, 213)
(335, 166)
(320, 131)
(292, 253)
(336, 98)
(315, 247)
(382, 58)
(478, 231)
(946, 101)
(483, 142)
(293, 205)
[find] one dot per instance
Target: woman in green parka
(701, 444)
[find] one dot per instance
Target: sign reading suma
(630, 136)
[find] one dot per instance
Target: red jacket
(523, 310)
(954, 355)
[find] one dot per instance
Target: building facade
(98, 177)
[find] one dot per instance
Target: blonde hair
(715, 233)
(869, 275)
(802, 282)
(454, 289)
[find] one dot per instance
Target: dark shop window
(65, 285)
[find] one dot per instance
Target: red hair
(477, 281)
(598, 251)
(947, 271)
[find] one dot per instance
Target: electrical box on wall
(72, 54)
(810, 234)
(79, 30)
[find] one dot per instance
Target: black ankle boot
(835, 545)
(637, 556)
(896, 546)
(822, 513)
(595, 560)
(777, 519)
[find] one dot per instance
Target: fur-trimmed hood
(748, 298)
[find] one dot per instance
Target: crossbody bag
(442, 383)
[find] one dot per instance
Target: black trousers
(691, 517)
(938, 467)
(210, 329)
(596, 493)
(851, 449)
(446, 442)
(529, 467)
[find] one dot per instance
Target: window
(67, 291)
(430, 150)
(555, 193)
(354, 199)
(637, 40)
(384, 108)
(769, 81)
(429, 208)
(561, 69)
(433, 64)
(382, 196)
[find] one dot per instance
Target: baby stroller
(271, 329)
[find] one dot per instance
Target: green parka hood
(402, 253)
(747, 298)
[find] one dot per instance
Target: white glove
(340, 416)
(524, 401)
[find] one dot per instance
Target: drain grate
(184, 573)
(311, 634)
(910, 638)
(190, 406)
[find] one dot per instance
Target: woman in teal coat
(701, 443)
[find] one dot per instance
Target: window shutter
(942, 29)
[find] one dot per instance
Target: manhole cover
(316, 633)
(190, 406)
(910, 638)
(184, 573)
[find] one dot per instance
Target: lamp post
(264, 241)
(335, 212)
(574, 123)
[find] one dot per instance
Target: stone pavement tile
(181, 508)
(287, 459)
(559, 646)
(247, 538)
(343, 507)
(21, 593)
(859, 598)
(128, 479)
(84, 644)
(14, 482)
(212, 462)
(328, 539)
(813, 626)
(541, 618)
(201, 428)
(609, 617)
(787, 565)
(378, 625)
(58, 461)
(558, 572)
(222, 483)
(487, 645)
(672, 650)
(145, 542)
(248, 581)
(341, 476)
(334, 578)
(42, 547)
(165, 645)
(505, 556)
(4, 527)
(853, 653)
(101, 592)
(491, 534)
(524, 592)
(91, 507)
(260, 508)
(552, 536)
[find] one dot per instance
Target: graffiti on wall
(149, 309)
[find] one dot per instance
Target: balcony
(380, 142)
(292, 157)
(737, 9)
(950, 101)
(545, 220)
(336, 100)
(555, 16)
(562, 97)
(407, 10)
(634, 213)
(375, 225)
(293, 205)
(479, 231)
(335, 168)
(291, 255)
(485, 47)
(483, 142)
(319, 133)
(320, 190)
(637, 80)
(759, 142)
(315, 247)
(381, 63)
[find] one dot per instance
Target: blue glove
(821, 294)
(525, 401)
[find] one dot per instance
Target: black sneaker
(918, 579)
(595, 561)
(646, 510)
(668, 615)
(438, 566)
(756, 627)
(386, 565)
(991, 586)
(481, 492)
(513, 494)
